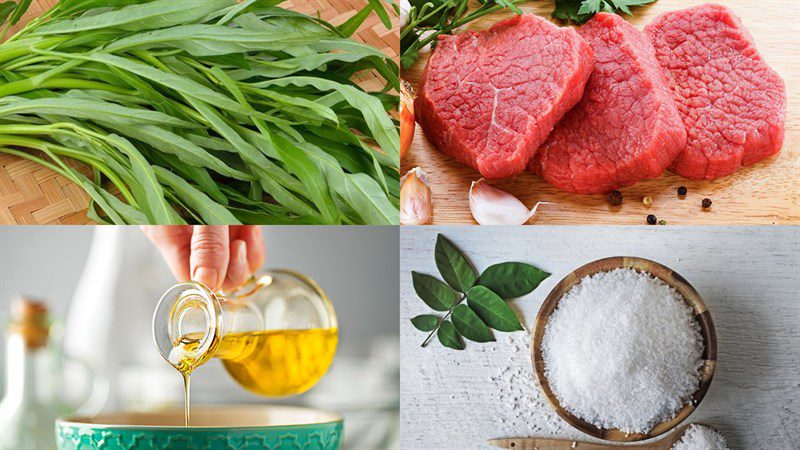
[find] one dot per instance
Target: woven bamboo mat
(31, 194)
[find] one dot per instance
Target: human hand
(217, 256)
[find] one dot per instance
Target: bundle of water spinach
(211, 111)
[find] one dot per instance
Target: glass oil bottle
(276, 335)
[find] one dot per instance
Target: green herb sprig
(579, 11)
(432, 18)
(428, 19)
(212, 111)
(486, 296)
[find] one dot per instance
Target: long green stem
(70, 153)
(446, 316)
(30, 84)
(13, 50)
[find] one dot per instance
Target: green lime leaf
(512, 279)
(433, 292)
(470, 325)
(453, 265)
(492, 310)
(449, 337)
(425, 322)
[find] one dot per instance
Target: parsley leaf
(579, 11)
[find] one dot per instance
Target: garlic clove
(405, 10)
(492, 206)
(407, 123)
(416, 206)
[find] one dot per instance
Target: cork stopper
(29, 319)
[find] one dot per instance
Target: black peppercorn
(706, 203)
(615, 198)
(682, 191)
(651, 219)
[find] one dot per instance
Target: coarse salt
(699, 437)
(622, 350)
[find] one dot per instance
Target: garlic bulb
(416, 206)
(405, 10)
(407, 123)
(491, 206)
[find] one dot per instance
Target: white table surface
(748, 276)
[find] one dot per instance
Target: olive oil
(274, 363)
(277, 363)
(276, 335)
(180, 358)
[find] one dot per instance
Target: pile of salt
(622, 350)
(699, 437)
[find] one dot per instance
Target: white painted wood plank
(748, 276)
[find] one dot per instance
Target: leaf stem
(446, 316)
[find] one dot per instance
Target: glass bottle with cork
(30, 406)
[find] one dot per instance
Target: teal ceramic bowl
(213, 428)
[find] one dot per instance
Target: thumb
(209, 256)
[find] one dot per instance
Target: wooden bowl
(669, 277)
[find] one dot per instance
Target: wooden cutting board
(31, 194)
(766, 193)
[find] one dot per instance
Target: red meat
(490, 98)
(626, 127)
(732, 103)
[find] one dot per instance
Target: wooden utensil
(532, 443)
(671, 278)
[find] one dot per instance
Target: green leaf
(590, 6)
(87, 109)
(453, 265)
(492, 310)
(6, 8)
(449, 337)
(425, 322)
(19, 11)
(381, 12)
(433, 292)
(470, 325)
(380, 124)
(244, 7)
(349, 27)
(210, 211)
(157, 209)
(66, 8)
(311, 175)
(509, 4)
(155, 14)
(512, 279)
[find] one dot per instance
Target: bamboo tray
(763, 194)
(31, 194)
(671, 278)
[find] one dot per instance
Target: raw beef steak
(732, 103)
(625, 128)
(490, 98)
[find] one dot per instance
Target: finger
(256, 250)
(210, 254)
(238, 269)
(173, 244)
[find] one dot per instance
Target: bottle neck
(22, 370)
(191, 320)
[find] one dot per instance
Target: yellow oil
(273, 363)
(277, 363)
(180, 359)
